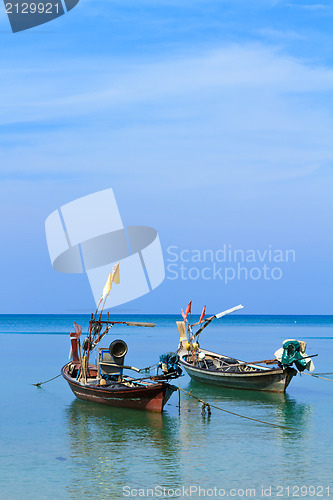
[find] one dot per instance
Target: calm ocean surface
(54, 446)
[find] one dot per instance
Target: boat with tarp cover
(271, 375)
(105, 382)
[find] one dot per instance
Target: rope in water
(208, 406)
(46, 381)
(323, 373)
(317, 376)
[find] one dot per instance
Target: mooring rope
(46, 381)
(209, 405)
(323, 373)
(317, 376)
(142, 370)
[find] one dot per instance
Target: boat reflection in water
(113, 447)
(276, 408)
(110, 448)
(233, 442)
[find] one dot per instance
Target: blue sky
(211, 120)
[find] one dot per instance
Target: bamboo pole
(88, 348)
(83, 373)
(265, 361)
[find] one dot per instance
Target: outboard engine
(293, 351)
(169, 364)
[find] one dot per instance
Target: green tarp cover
(291, 354)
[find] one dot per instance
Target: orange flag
(188, 310)
(202, 315)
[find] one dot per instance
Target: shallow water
(54, 446)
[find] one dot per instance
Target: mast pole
(100, 315)
(89, 341)
(97, 308)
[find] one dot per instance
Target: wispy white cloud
(66, 90)
(315, 6)
(238, 112)
(283, 35)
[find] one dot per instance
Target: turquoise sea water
(54, 446)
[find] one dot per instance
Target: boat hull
(149, 396)
(269, 380)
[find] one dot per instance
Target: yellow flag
(107, 288)
(112, 278)
(115, 274)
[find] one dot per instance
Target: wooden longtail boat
(127, 393)
(230, 372)
(105, 381)
(212, 368)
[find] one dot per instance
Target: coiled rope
(209, 405)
